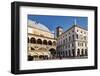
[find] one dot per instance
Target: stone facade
(73, 42)
(41, 43)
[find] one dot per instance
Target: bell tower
(59, 31)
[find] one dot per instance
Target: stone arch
(35, 57)
(46, 57)
(78, 52)
(82, 52)
(86, 52)
(39, 41)
(32, 40)
(45, 42)
(41, 56)
(49, 42)
(30, 58)
(54, 43)
(52, 51)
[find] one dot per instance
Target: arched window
(52, 51)
(39, 41)
(82, 52)
(32, 40)
(78, 52)
(45, 42)
(49, 43)
(54, 43)
(30, 58)
(86, 52)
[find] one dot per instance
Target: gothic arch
(49, 42)
(39, 41)
(45, 42)
(32, 40)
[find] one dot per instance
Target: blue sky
(64, 21)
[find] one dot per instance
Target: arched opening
(82, 52)
(28, 39)
(54, 43)
(86, 52)
(45, 57)
(73, 52)
(30, 58)
(49, 43)
(39, 41)
(45, 42)
(41, 57)
(52, 51)
(35, 57)
(78, 52)
(32, 40)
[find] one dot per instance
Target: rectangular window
(72, 45)
(73, 37)
(84, 37)
(86, 44)
(82, 44)
(69, 45)
(69, 38)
